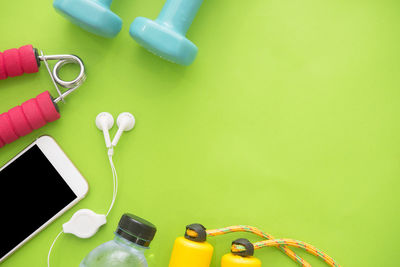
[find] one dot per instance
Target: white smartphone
(36, 187)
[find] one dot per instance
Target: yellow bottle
(192, 253)
(231, 260)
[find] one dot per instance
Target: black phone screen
(31, 193)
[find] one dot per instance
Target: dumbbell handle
(31, 115)
(179, 14)
(15, 62)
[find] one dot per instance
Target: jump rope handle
(15, 62)
(31, 115)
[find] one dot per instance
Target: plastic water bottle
(132, 239)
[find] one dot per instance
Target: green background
(285, 121)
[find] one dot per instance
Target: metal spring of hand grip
(63, 60)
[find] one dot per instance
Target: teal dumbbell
(94, 16)
(165, 36)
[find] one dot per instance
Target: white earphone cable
(51, 248)
(115, 192)
(115, 182)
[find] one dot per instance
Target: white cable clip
(84, 223)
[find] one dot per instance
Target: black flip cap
(136, 229)
(199, 229)
(247, 244)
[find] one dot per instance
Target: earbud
(105, 121)
(125, 122)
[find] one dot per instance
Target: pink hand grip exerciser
(36, 112)
(15, 62)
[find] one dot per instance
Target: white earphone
(85, 223)
(105, 121)
(125, 122)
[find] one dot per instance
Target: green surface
(287, 120)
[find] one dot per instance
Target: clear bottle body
(117, 252)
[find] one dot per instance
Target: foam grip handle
(31, 115)
(15, 62)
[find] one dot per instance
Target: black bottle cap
(200, 230)
(247, 244)
(136, 229)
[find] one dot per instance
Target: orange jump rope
(193, 250)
